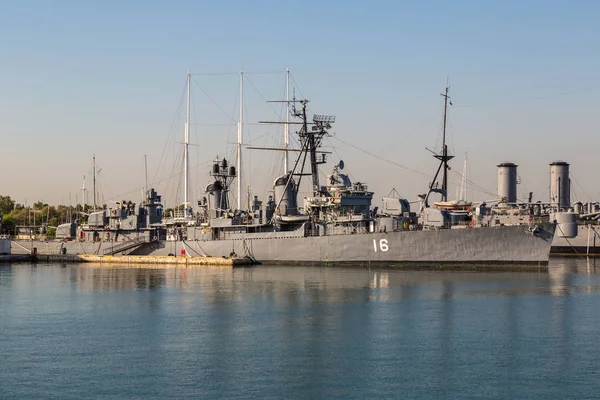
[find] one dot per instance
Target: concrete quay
(129, 260)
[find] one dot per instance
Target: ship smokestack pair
(560, 185)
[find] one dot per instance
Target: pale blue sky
(105, 78)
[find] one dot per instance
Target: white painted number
(383, 245)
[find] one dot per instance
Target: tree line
(40, 214)
(44, 216)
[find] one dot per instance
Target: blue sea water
(81, 331)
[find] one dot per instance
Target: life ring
(331, 199)
(114, 212)
(472, 223)
(155, 238)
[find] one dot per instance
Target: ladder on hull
(129, 245)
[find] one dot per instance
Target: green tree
(6, 205)
(8, 224)
(38, 205)
(53, 221)
(51, 233)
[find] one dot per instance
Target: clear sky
(79, 78)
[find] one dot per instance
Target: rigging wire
(340, 158)
(194, 182)
(278, 115)
(581, 187)
(174, 124)
(154, 183)
(474, 186)
(381, 158)
(237, 73)
(213, 101)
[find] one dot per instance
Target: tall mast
(312, 141)
(312, 147)
(286, 126)
(444, 157)
(445, 149)
(463, 183)
(145, 174)
(239, 143)
(83, 196)
(94, 185)
(186, 143)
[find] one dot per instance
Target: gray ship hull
(468, 246)
(497, 245)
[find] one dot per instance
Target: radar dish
(324, 118)
(341, 164)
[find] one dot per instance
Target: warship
(336, 223)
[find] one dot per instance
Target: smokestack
(560, 185)
(507, 182)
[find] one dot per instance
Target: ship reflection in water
(298, 332)
(339, 284)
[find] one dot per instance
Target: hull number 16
(383, 245)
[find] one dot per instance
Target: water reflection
(292, 284)
(299, 332)
(116, 279)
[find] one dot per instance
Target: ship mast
(145, 174)
(286, 127)
(94, 180)
(444, 157)
(84, 198)
(463, 183)
(312, 141)
(240, 135)
(186, 143)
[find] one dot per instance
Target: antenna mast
(83, 200)
(239, 143)
(463, 184)
(312, 141)
(146, 173)
(94, 166)
(186, 143)
(286, 127)
(444, 158)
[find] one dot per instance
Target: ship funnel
(286, 194)
(507, 182)
(217, 199)
(560, 185)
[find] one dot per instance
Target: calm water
(74, 332)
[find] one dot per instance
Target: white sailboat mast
(83, 200)
(286, 126)
(186, 143)
(239, 143)
(94, 180)
(463, 184)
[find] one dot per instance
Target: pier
(129, 260)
